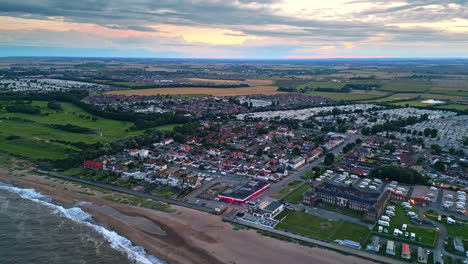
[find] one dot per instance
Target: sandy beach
(183, 236)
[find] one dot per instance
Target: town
(382, 181)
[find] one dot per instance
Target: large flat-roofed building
(242, 193)
(269, 210)
(372, 203)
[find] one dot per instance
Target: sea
(35, 230)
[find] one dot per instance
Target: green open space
(460, 228)
(296, 195)
(428, 235)
(322, 228)
(286, 189)
(351, 231)
(33, 136)
(460, 107)
(399, 87)
(415, 103)
(345, 96)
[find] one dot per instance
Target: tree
(434, 133)
(329, 159)
(390, 147)
(427, 132)
(397, 173)
(439, 165)
(436, 149)
(296, 151)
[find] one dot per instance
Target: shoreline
(184, 236)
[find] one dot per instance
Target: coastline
(183, 236)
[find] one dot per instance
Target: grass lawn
(428, 235)
(453, 230)
(309, 225)
(318, 227)
(296, 195)
(285, 189)
(351, 212)
(351, 231)
(166, 192)
(284, 213)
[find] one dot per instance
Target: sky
(243, 29)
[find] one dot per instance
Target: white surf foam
(118, 242)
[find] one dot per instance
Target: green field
(460, 107)
(415, 103)
(316, 84)
(351, 231)
(345, 96)
(122, 84)
(318, 227)
(448, 92)
(36, 136)
(296, 195)
(398, 87)
(283, 191)
(290, 83)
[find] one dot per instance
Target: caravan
(383, 223)
(390, 213)
(385, 218)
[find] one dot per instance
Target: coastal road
(321, 243)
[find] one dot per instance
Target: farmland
(353, 96)
(267, 90)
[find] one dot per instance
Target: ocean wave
(117, 242)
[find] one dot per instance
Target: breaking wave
(117, 242)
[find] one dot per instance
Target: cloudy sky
(234, 28)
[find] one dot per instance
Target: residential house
(405, 251)
(458, 245)
(374, 245)
(390, 248)
(89, 164)
(422, 256)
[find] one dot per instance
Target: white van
(413, 236)
(433, 189)
(403, 227)
(450, 220)
(383, 223)
(380, 229)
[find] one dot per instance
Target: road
(298, 174)
(442, 233)
(347, 250)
